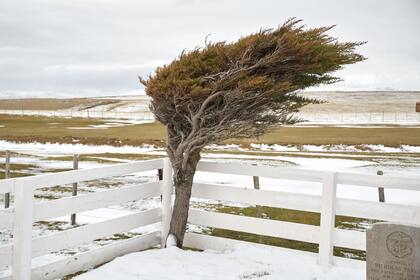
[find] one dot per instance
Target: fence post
(256, 180)
(326, 246)
(160, 174)
(22, 231)
(166, 200)
(258, 209)
(7, 176)
(74, 189)
(381, 191)
(160, 178)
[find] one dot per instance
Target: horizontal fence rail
(73, 176)
(25, 211)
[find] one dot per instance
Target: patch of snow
(109, 125)
(411, 149)
(51, 148)
(275, 147)
(223, 147)
(336, 148)
(171, 241)
(243, 262)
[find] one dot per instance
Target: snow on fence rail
(25, 211)
(19, 254)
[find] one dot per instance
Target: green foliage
(283, 60)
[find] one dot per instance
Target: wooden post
(258, 210)
(160, 174)
(22, 231)
(381, 190)
(326, 246)
(256, 180)
(74, 190)
(160, 178)
(7, 176)
(166, 200)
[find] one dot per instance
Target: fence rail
(328, 205)
(24, 211)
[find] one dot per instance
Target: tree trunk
(183, 180)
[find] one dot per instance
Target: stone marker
(393, 252)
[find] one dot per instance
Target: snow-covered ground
(400, 161)
(243, 262)
(37, 147)
(351, 108)
(134, 109)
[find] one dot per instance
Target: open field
(345, 107)
(335, 101)
(363, 101)
(51, 103)
(95, 131)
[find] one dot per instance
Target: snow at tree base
(243, 262)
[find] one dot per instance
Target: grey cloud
(93, 47)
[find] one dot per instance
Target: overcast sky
(55, 48)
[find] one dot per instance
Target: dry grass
(49, 129)
(51, 103)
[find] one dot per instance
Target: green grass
(30, 128)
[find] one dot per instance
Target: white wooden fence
(19, 254)
(25, 211)
(328, 205)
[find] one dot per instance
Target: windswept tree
(236, 90)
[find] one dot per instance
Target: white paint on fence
(22, 231)
(326, 245)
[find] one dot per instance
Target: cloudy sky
(56, 48)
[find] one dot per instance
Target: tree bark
(183, 180)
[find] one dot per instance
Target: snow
(79, 148)
(171, 241)
(61, 149)
(243, 262)
(337, 148)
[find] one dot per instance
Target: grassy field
(71, 130)
(51, 103)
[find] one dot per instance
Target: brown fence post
(258, 210)
(381, 191)
(74, 190)
(257, 187)
(160, 176)
(7, 176)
